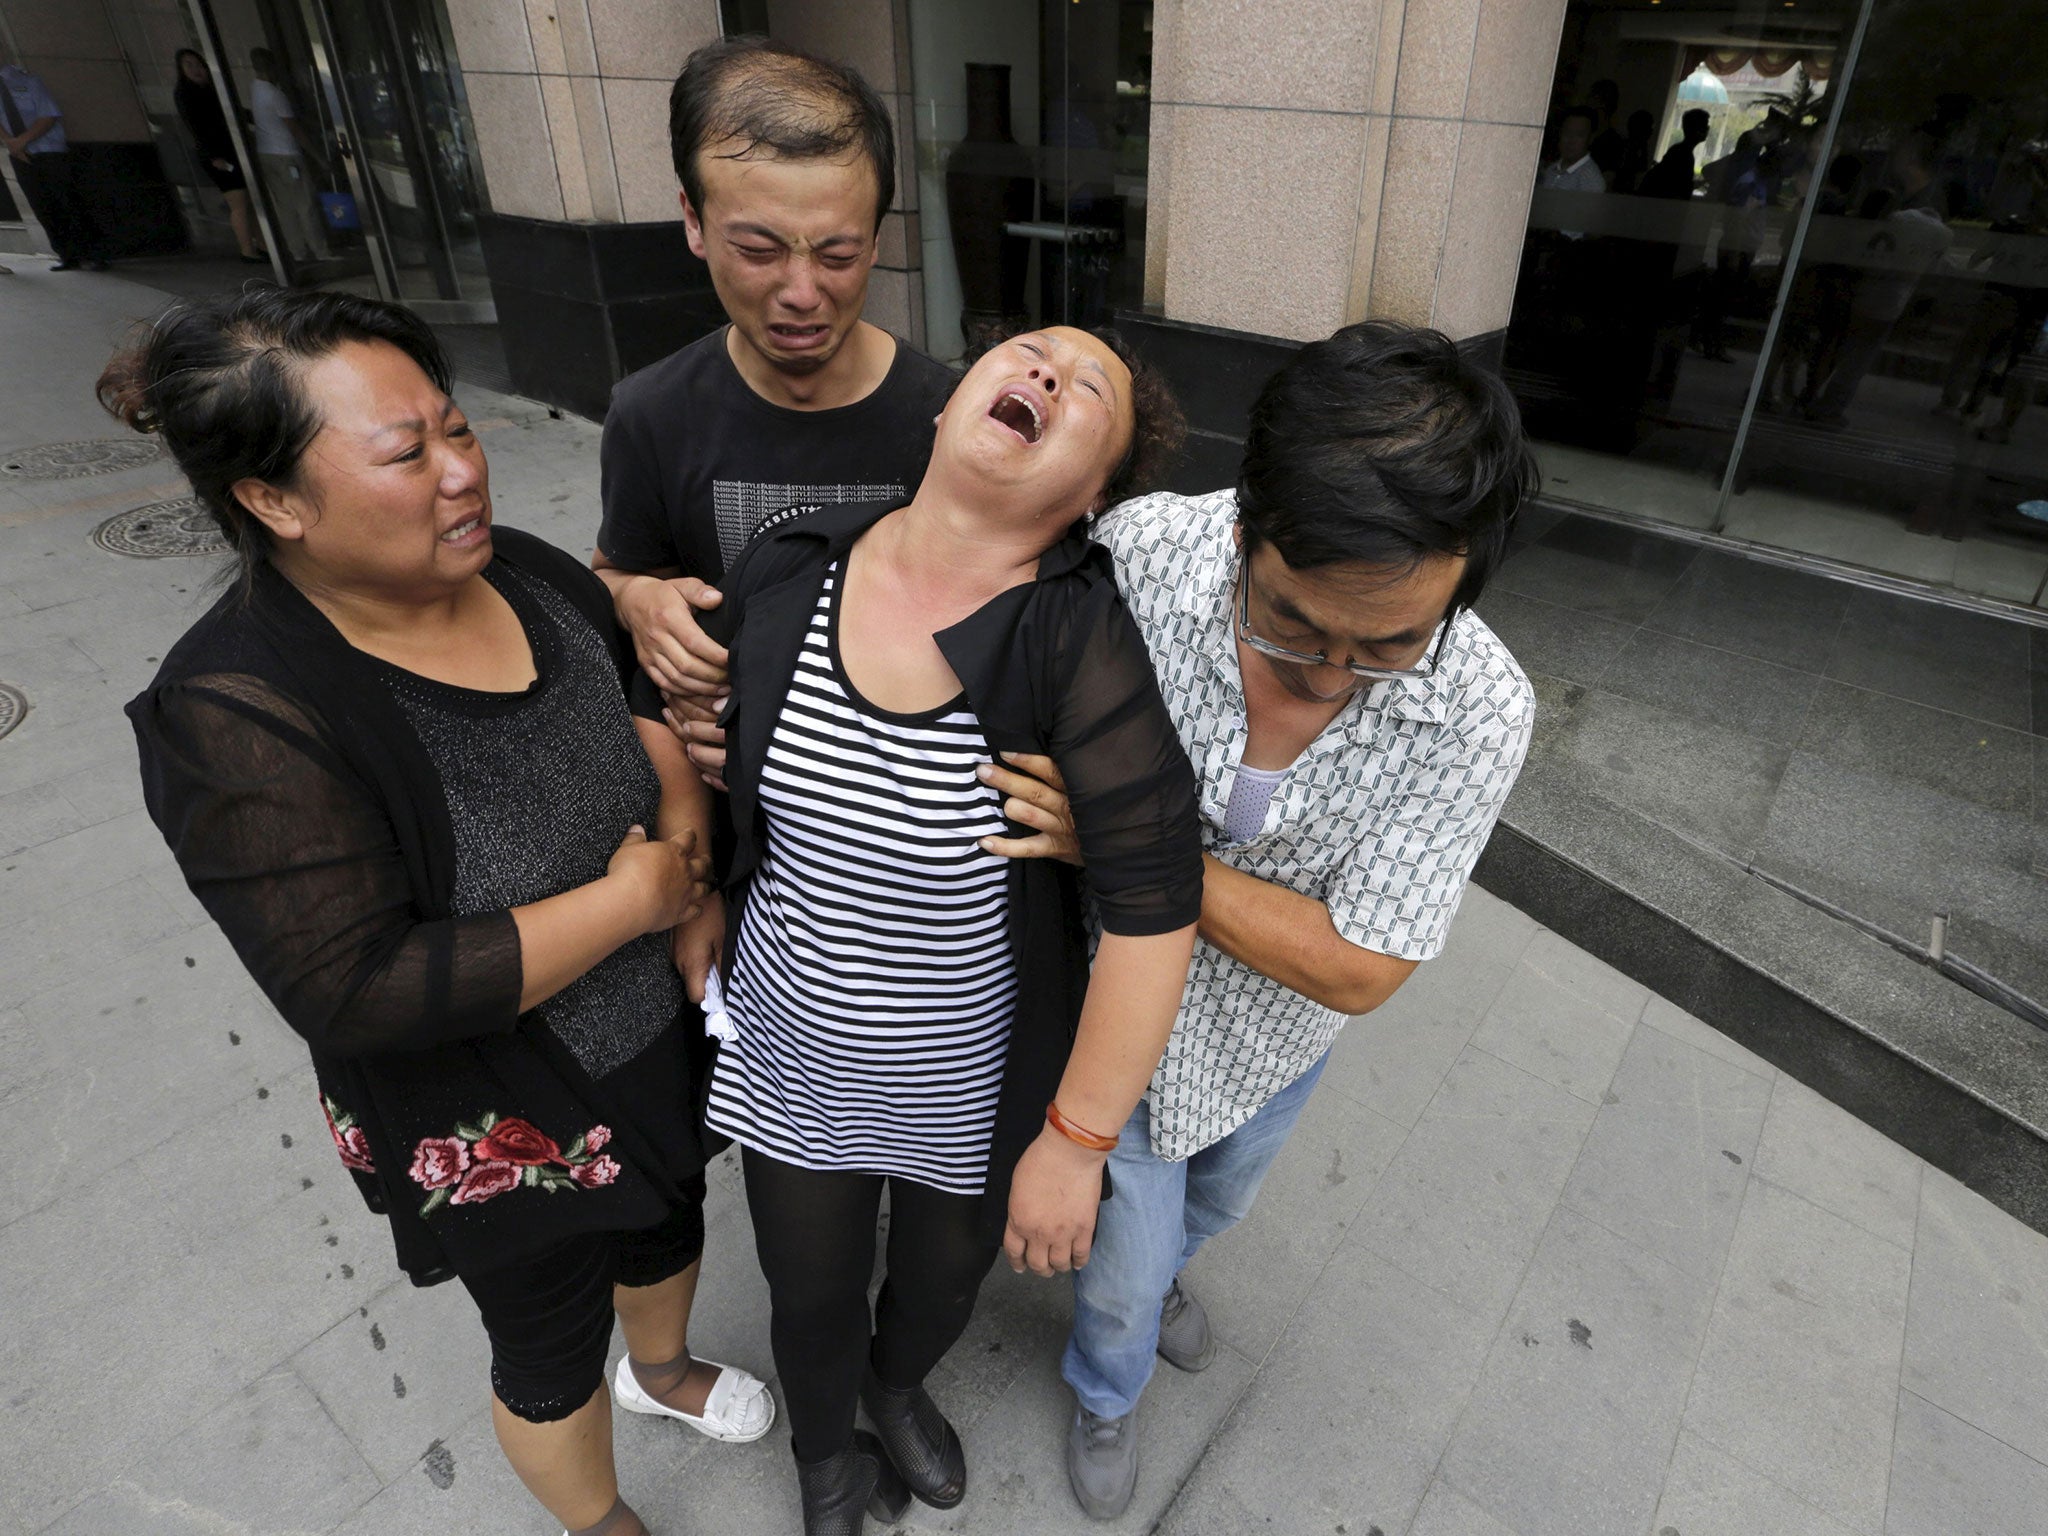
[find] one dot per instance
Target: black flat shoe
(918, 1441)
(840, 1492)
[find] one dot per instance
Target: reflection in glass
(1736, 230)
(1031, 129)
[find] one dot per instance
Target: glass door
(388, 73)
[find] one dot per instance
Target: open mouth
(1019, 412)
(462, 532)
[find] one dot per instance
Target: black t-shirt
(694, 460)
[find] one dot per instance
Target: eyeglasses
(1421, 668)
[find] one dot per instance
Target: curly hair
(1157, 426)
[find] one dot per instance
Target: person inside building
(1574, 169)
(788, 166)
(395, 763)
(904, 1008)
(1608, 147)
(199, 106)
(32, 128)
(1356, 727)
(283, 148)
(1673, 176)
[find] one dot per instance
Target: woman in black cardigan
(397, 766)
(904, 1006)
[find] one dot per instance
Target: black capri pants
(549, 1314)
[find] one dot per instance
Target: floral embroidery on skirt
(502, 1153)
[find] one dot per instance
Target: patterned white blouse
(1381, 819)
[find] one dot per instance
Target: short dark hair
(1584, 114)
(222, 381)
(1384, 446)
(1699, 115)
(769, 96)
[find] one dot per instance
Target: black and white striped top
(873, 983)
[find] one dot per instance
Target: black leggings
(815, 1233)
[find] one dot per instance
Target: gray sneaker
(1102, 1462)
(1184, 1338)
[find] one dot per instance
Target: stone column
(873, 36)
(1326, 160)
(590, 268)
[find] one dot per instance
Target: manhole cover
(69, 461)
(162, 529)
(13, 705)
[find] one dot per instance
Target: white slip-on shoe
(738, 1410)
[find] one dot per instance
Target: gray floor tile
(1896, 853)
(413, 1371)
(1777, 615)
(1341, 1436)
(1447, 1512)
(1018, 1449)
(1757, 698)
(1680, 1025)
(1977, 1336)
(1701, 779)
(1710, 1493)
(1554, 1027)
(1466, 1198)
(1825, 1154)
(1569, 1428)
(1667, 1159)
(1891, 738)
(1258, 1272)
(1555, 640)
(269, 1460)
(1615, 574)
(81, 861)
(182, 1346)
(1798, 1378)
(1949, 1478)
(52, 947)
(1393, 1059)
(465, 1484)
(1972, 663)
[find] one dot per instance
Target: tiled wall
(1329, 159)
(74, 49)
(570, 101)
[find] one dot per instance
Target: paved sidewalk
(1547, 1257)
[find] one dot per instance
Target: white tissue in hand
(718, 1023)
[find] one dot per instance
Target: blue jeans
(1159, 1215)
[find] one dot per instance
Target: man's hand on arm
(1290, 937)
(1276, 931)
(659, 610)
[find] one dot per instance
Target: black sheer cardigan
(1053, 666)
(309, 821)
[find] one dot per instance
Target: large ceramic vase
(989, 179)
